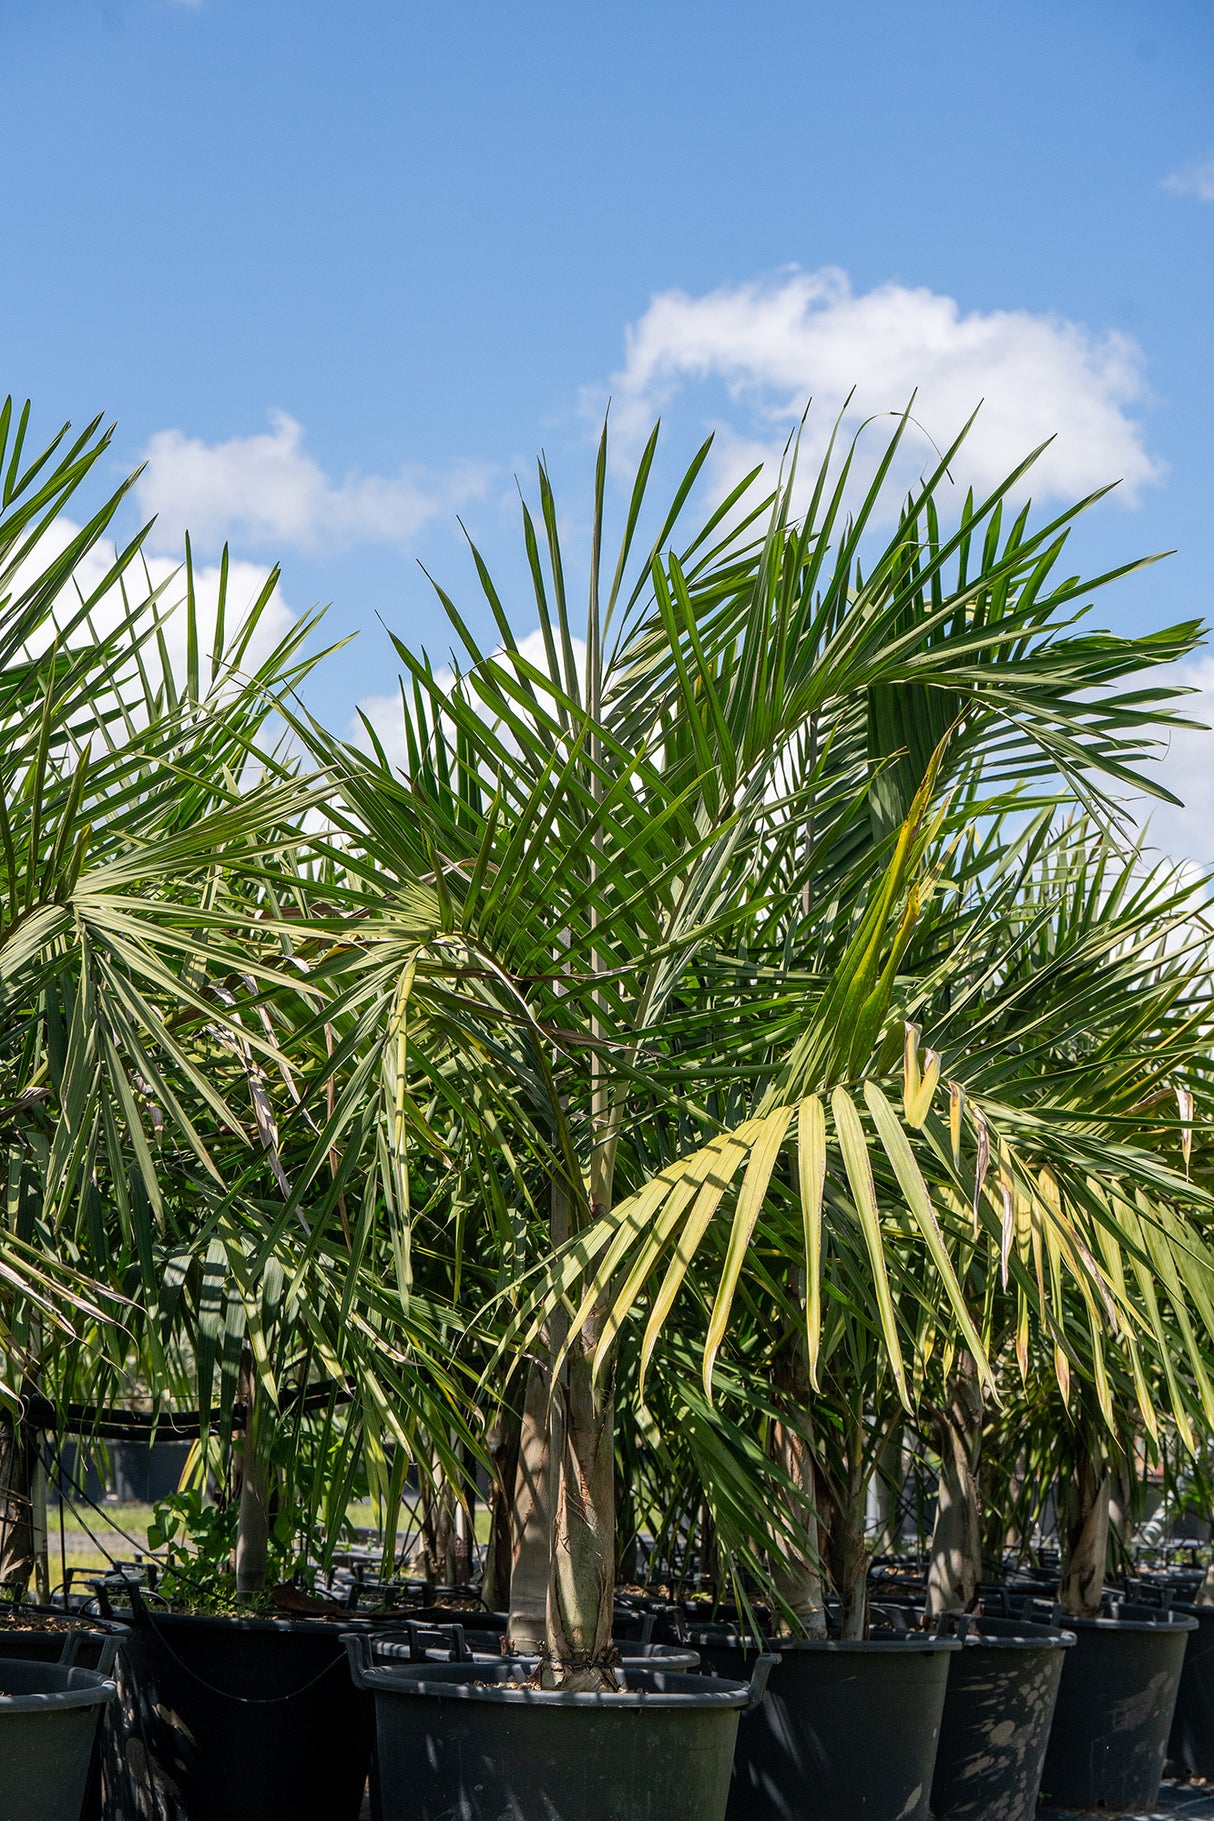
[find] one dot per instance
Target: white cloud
(1195, 180)
(384, 711)
(1188, 770)
(776, 343)
(245, 582)
(268, 489)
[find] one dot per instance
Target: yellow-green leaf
(854, 1147)
(811, 1171)
(750, 1201)
(910, 1181)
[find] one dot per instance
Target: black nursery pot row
(277, 1719)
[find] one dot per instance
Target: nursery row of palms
(737, 1042)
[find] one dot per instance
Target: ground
(1190, 1801)
(121, 1532)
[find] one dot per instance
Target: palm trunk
(253, 1517)
(955, 1566)
(1123, 1499)
(581, 1584)
(797, 1568)
(1085, 1533)
(885, 1491)
(42, 1564)
(17, 1551)
(499, 1553)
(710, 1550)
(436, 1554)
(531, 1518)
(845, 1550)
(1006, 1519)
(1205, 1593)
(627, 1536)
(463, 1531)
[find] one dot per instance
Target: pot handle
(362, 1662)
(648, 1621)
(758, 1678)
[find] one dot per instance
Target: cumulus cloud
(268, 489)
(384, 711)
(1188, 770)
(774, 344)
(245, 582)
(1194, 180)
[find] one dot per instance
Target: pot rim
(1054, 1638)
(428, 1679)
(676, 1659)
(1172, 1620)
(84, 1688)
(68, 1620)
(334, 1628)
(903, 1641)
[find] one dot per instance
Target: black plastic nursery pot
(1114, 1711)
(49, 1716)
(47, 1634)
(846, 1731)
(250, 1719)
(998, 1709)
(474, 1742)
(1191, 1740)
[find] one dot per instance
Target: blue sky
(340, 272)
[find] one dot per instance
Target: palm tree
(626, 925)
(138, 798)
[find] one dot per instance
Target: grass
(121, 1534)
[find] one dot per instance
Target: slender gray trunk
(436, 1553)
(710, 1549)
(955, 1564)
(797, 1567)
(499, 1552)
(42, 1564)
(1205, 1593)
(581, 1584)
(886, 1493)
(253, 1516)
(582, 1578)
(846, 1548)
(17, 1543)
(1085, 1532)
(1123, 1497)
(531, 1518)
(463, 1531)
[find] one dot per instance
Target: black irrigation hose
(103, 1423)
(225, 1694)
